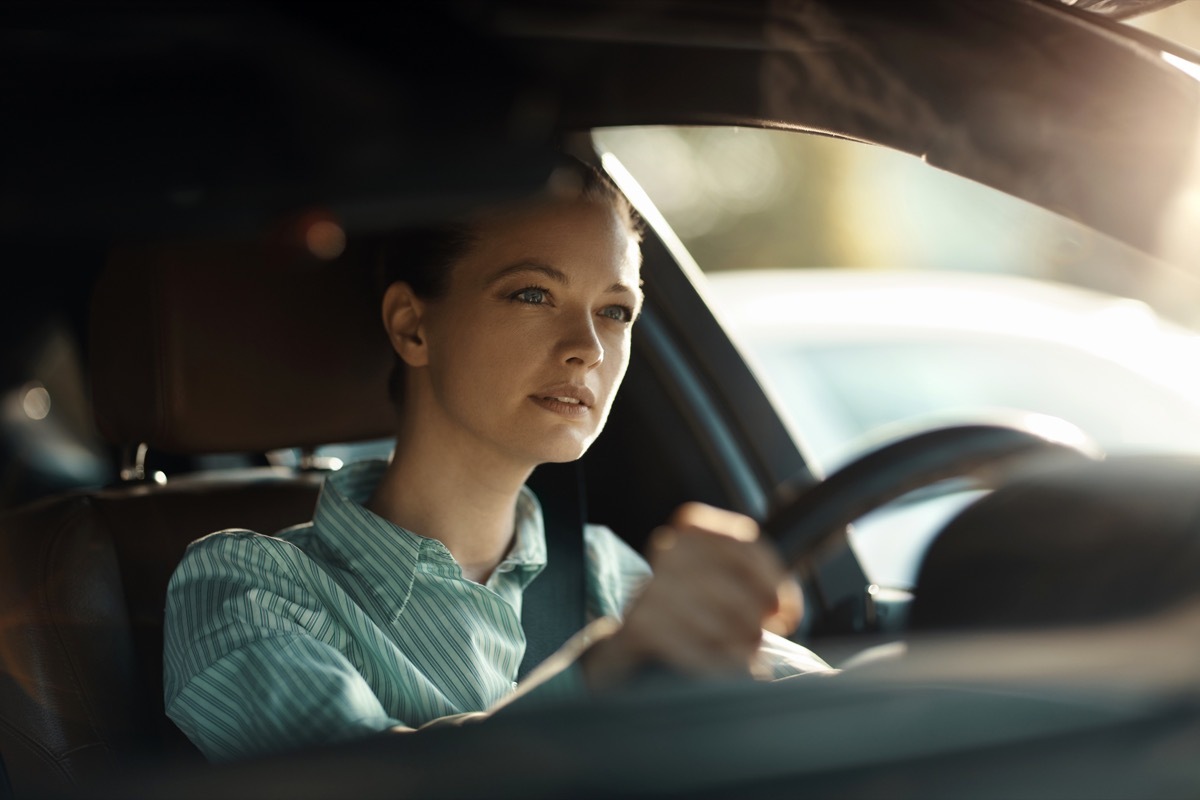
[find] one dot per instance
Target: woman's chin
(564, 449)
(563, 456)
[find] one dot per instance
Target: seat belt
(554, 605)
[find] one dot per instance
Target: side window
(868, 288)
(334, 456)
(872, 294)
(48, 440)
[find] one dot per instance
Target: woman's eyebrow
(544, 269)
(623, 288)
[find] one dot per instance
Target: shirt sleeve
(246, 671)
(782, 658)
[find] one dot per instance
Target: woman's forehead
(579, 239)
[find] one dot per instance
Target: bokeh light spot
(36, 401)
(325, 239)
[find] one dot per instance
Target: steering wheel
(813, 523)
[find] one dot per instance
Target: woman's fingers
(789, 609)
(714, 589)
(699, 516)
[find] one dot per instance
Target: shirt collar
(387, 554)
(529, 545)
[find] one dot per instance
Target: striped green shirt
(350, 625)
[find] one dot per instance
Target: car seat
(229, 347)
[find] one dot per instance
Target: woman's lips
(568, 400)
(559, 406)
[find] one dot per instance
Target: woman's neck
(453, 494)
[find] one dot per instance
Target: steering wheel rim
(808, 523)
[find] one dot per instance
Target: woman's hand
(715, 588)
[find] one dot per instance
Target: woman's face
(526, 350)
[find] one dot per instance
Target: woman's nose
(581, 344)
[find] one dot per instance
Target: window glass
(334, 456)
(1178, 23)
(868, 289)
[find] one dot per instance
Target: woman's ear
(403, 315)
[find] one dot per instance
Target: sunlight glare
(1058, 430)
(1183, 65)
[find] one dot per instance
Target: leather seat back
(241, 347)
(82, 583)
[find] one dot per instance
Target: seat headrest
(238, 346)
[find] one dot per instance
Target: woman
(400, 603)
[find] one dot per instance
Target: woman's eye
(619, 313)
(531, 295)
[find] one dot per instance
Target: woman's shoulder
(616, 571)
(602, 541)
(245, 540)
(240, 549)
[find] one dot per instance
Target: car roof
(1120, 9)
(143, 120)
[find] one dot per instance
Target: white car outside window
(855, 355)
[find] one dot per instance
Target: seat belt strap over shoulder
(554, 606)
